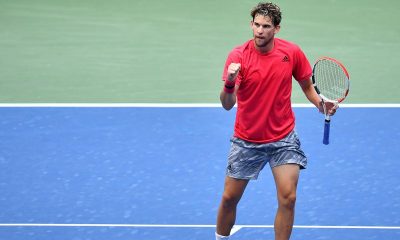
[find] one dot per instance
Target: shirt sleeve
(233, 57)
(302, 68)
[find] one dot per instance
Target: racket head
(331, 79)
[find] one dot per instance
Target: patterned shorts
(246, 159)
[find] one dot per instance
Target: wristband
(229, 89)
(229, 86)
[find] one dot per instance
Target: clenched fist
(233, 70)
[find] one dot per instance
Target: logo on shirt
(285, 59)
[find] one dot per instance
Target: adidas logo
(285, 59)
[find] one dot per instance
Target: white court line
(117, 105)
(179, 105)
(237, 227)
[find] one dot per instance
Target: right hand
(330, 107)
(233, 71)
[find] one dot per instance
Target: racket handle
(326, 132)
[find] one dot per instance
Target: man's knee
(229, 200)
(287, 200)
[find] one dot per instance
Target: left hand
(331, 107)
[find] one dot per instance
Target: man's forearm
(310, 92)
(228, 100)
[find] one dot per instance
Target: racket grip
(327, 125)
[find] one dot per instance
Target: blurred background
(70, 51)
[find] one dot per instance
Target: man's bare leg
(233, 191)
(286, 179)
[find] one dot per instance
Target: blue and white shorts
(246, 159)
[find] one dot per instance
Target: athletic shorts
(246, 159)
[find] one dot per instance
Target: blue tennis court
(157, 173)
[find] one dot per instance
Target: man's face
(263, 30)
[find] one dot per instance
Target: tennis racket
(332, 82)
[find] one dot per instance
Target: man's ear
(277, 28)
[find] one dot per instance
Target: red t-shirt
(264, 111)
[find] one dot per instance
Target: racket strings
(331, 80)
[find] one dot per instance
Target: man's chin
(261, 44)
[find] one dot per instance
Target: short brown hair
(268, 9)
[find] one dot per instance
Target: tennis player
(258, 77)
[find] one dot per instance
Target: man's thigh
(286, 178)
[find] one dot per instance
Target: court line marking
(178, 105)
(237, 227)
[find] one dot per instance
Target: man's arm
(314, 98)
(228, 100)
(228, 94)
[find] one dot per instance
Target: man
(258, 76)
